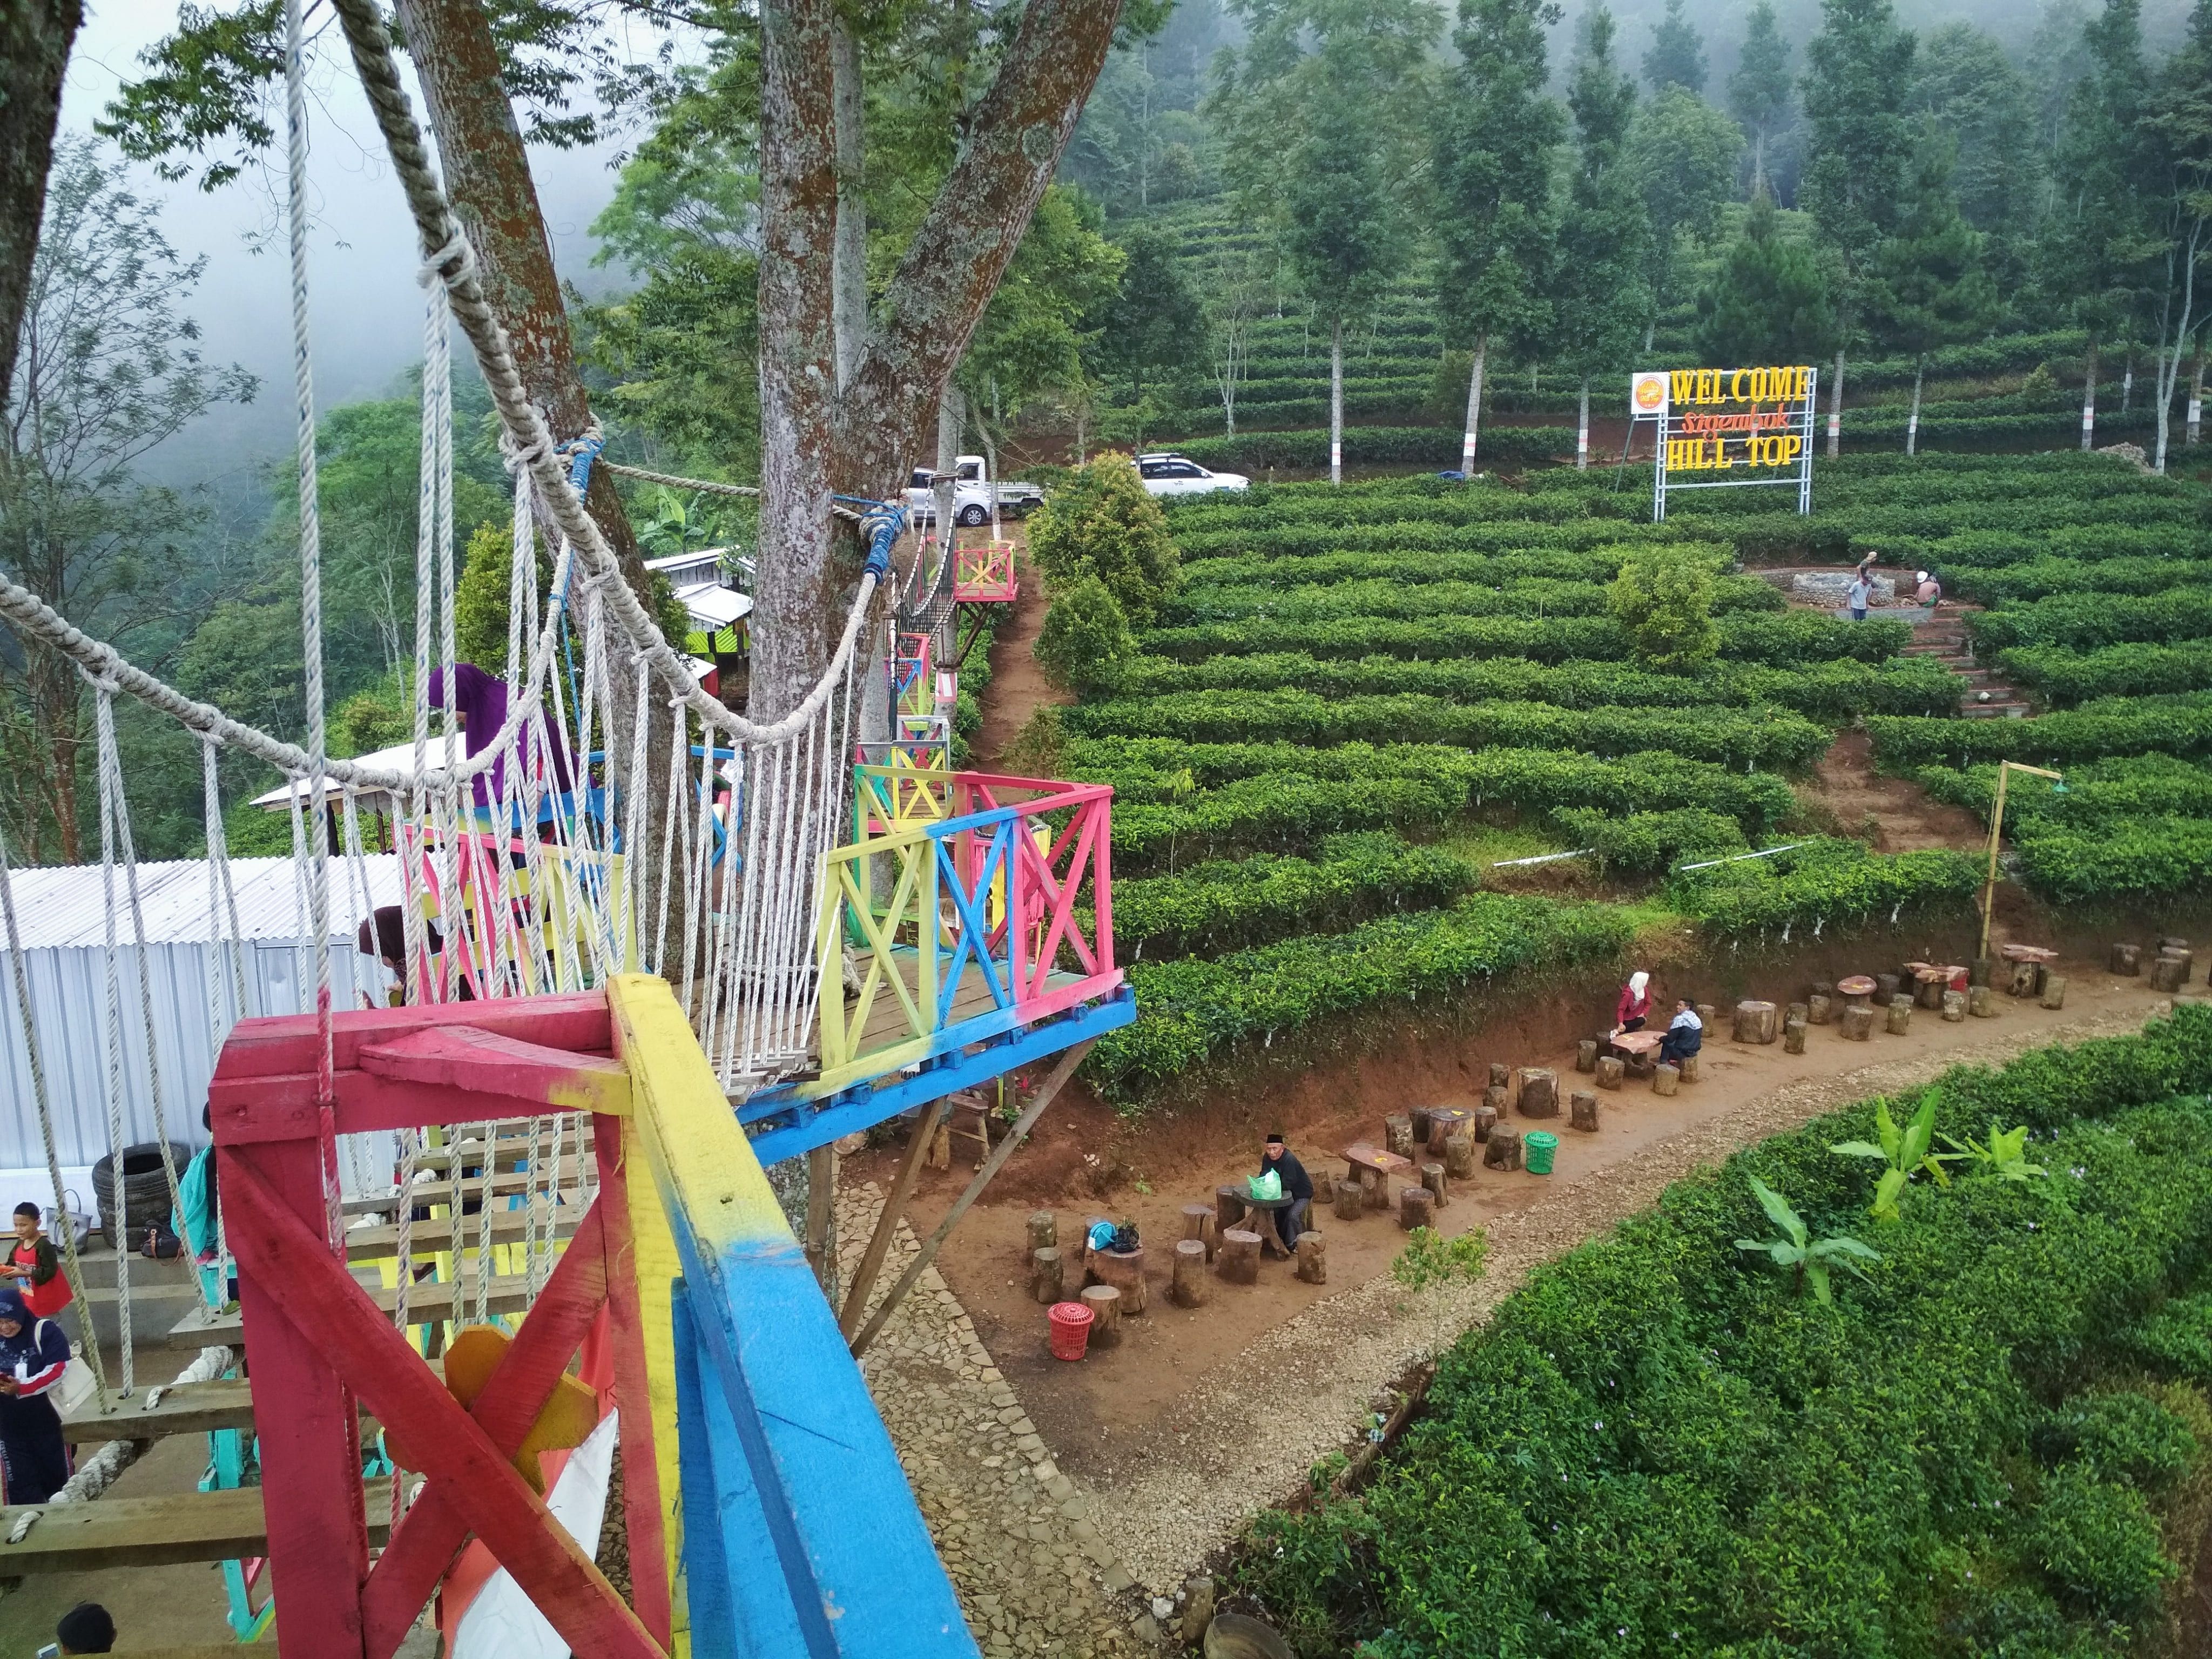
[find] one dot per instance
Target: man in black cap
(1297, 1187)
(86, 1628)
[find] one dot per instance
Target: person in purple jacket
(34, 1353)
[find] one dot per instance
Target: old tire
(145, 1197)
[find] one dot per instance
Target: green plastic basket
(1540, 1144)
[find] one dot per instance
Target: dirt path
(1201, 1417)
(1017, 688)
(1891, 815)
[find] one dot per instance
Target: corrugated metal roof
(66, 905)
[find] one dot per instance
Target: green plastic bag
(1266, 1186)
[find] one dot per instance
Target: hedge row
(2063, 676)
(2180, 726)
(1790, 637)
(2042, 578)
(1241, 548)
(1274, 808)
(1387, 596)
(1645, 843)
(1751, 737)
(1824, 884)
(1259, 571)
(1658, 1446)
(1232, 905)
(2128, 858)
(2085, 621)
(1191, 1011)
(1835, 692)
(2145, 786)
(1377, 445)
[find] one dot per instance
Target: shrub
(1665, 603)
(1823, 884)
(1086, 641)
(1647, 843)
(2099, 1542)
(1102, 524)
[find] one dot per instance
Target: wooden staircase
(1987, 695)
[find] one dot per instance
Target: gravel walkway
(1258, 1425)
(1033, 1573)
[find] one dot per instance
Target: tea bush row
(1784, 640)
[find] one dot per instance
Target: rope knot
(580, 452)
(454, 252)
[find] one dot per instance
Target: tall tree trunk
(35, 37)
(2168, 370)
(1336, 401)
(1759, 162)
(2089, 400)
(1912, 420)
(951, 416)
(1835, 410)
(849, 300)
(2197, 395)
(2128, 381)
(1473, 403)
(1582, 429)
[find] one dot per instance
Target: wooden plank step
(503, 1186)
(154, 1532)
(435, 1233)
(185, 1408)
(426, 1303)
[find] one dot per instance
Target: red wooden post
(304, 1415)
(641, 1496)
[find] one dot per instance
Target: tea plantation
(1352, 701)
(1997, 1441)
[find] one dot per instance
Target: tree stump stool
(1540, 1092)
(1416, 1207)
(1981, 1004)
(1485, 1120)
(2054, 990)
(1500, 1075)
(1955, 1006)
(1665, 1078)
(1125, 1271)
(1609, 1070)
(1228, 1210)
(1044, 1232)
(1105, 1304)
(1708, 1013)
(1374, 1190)
(1398, 1134)
(1434, 1177)
(2182, 954)
(2172, 942)
(1687, 1065)
(2022, 984)
(1582, 1112)
(2127, 961)
(1884, 989)
(1820, 1010)
(2166, 973)
(1199, 1222)
(1823, 988)
(1420, 1115)
(1047, 1282)
(1459, 1156)
(1313, 1258)
(1445, 1121)
(1756, 1021)
(1503, 1149)
(1793, 1036)
(1797, 1010)
(1858, 1022)
(1857, 988)
(1240, 1256)
(1494, 1100)
(1586, 1054)
(1188, 1288)
(1898, 1020)
(1349, 1200)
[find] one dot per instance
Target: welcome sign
(1755, 424)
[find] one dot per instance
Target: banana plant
(1808, 1257)
(2004, 1155)
(1904, 1151)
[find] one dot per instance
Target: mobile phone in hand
(51, 1650)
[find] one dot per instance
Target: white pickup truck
(971, 494)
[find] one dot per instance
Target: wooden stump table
(1260, 1218)
(1371, 1168)
(1857, 991)
(1444, 1123)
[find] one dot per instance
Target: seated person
(1635, 1004)
(1685, 1033)
(1297, 1187)
(1927, 589)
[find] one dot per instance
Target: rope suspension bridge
(476, 1246)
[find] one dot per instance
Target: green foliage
(2137, 858)
(1648, 1449)
(1907, 1152)
(1759, 95)
(1677, 58)
(2176, 1339)
(1101, 524)
(1929, 283)
(1152, 325)
(1808, 1259)
(1430, 1259)
(1822, 884)
(1645, 843)
(1858, 75)
(2111, 726)
(1686, 158)
(1767, 301)
(1086, 641)
(1599, 297)
(2003, 1156)
(1665, 603)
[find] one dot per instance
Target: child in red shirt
(35, 1268)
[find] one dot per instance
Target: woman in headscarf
(480, 709)
(34, 1353)
(1635, 1004)
(384, 936)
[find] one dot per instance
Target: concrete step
(1995, 711)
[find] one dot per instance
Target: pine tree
(1677, 58)
(2096, 237)
(1684, 154)
(1768, 301)
(2180, 126)
(1496, 134)
(1857, 77)
(1759, 90)
(1929, 285)
(1598, 283)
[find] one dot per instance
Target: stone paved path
(1034, 1574)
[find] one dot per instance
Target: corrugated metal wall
(68, 1005)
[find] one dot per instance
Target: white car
(1171, 475)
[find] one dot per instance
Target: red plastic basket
(1070, 1329)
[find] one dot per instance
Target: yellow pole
(2005, 770)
